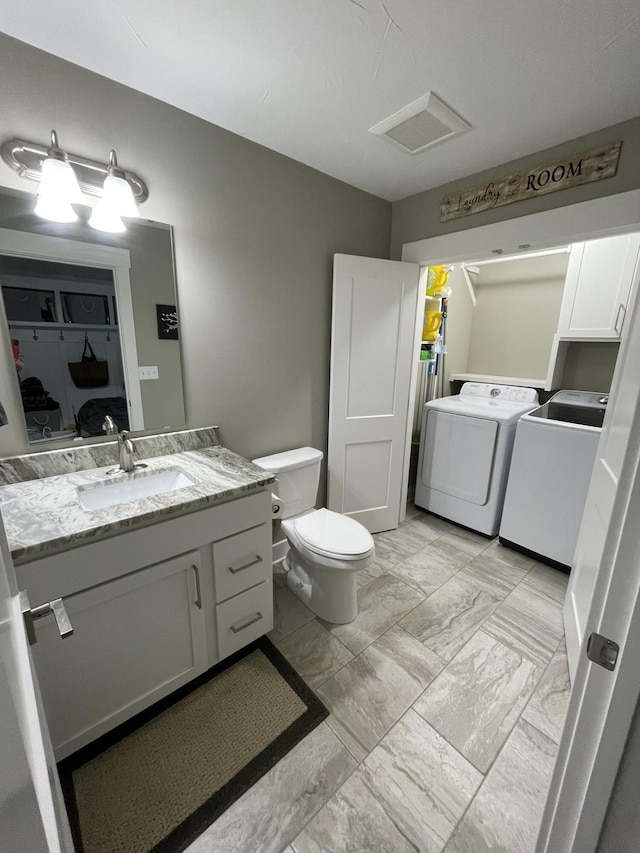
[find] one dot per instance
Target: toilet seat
(329, 534)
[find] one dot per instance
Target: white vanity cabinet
(597, 288)
(151, 609)
(134, 640)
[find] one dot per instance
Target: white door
(604, 597)
(32, 815)
(610, 458)
(374, 342)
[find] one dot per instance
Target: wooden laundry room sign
(571, 171)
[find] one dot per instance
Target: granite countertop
(44, 516)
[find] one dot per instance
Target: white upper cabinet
(597, 288)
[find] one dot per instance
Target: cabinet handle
(198, 595)
(237, 628)
(621, 308)
(234, 570)
(30, 614)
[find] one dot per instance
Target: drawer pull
(237, 628)
(198, 594)
(234, 570)
(621, 311)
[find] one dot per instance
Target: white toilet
(326, 549)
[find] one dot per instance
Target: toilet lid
(327, 532)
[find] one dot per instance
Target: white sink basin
(133, 487)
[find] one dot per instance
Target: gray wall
(255, 234)
(589, 365)
(418, 216)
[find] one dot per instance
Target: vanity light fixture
(119, 190)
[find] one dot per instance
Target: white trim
(413, 387)
(59, 249)
(588, 220)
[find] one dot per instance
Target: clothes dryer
(465, 450)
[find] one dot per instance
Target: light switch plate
(150, 372)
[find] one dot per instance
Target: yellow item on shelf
(437, 278)
(432, 320)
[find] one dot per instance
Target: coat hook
(35, 335)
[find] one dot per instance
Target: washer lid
(503, 411)
(327, 532)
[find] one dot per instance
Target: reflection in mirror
(65, 343)
(63, 285)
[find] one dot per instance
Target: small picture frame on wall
(167, 317)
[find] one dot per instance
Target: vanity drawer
(244, 618)
(242, 561)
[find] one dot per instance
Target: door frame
(566, 817)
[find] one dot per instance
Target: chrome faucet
(126, 451)
(109, 426)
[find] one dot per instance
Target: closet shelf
(79, 327)
(498, 380)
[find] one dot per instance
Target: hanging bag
(90, 372)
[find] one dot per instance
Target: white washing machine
(553, 458)
(465, 451)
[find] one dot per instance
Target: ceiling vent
(420, 124)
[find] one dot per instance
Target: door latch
(30, 614)
(602, 651)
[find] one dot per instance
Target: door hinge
(603, 651)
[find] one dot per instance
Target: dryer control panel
(508, 393)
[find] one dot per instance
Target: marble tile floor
(447, 697)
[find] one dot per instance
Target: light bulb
(59, 180)
(55, 209)
(104, 218)
(118, 195)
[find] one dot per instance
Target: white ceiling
(308, 78)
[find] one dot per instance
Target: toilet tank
(298, 473)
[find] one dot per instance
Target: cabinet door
(598, 284)
(135, 640)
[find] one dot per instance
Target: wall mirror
(89, 327)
